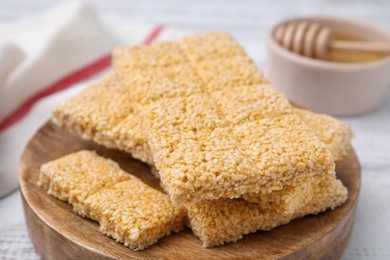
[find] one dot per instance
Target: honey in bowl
(352, 56)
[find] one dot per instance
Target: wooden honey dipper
(314, 40)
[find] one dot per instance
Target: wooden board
(58, 233)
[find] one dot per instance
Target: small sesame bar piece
(208, 166)
(335, 133)
(135, 214)
(148, 85)
(221, 221)
(191, 113)
(162, 54)
(206, 46)
(126, 208)
(252, 102)
(283, 150)
(76, 176)
(228, 72)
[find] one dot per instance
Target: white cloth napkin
(38, 51)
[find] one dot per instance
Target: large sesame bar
(221, 221)
(285, 199)
(126, 208)
(266, 147)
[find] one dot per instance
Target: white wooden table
(248, 20)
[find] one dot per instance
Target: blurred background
(242, 17)
(248, 20)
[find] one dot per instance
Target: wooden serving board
(58, 233)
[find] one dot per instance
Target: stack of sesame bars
(232, 154)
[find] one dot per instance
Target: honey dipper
(314, 40)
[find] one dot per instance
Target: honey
(352, 56)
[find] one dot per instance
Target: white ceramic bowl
(331, 87)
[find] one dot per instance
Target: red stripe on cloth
(153, 35)
(66, 82)
(62, 84)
